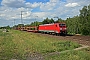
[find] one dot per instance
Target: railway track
(85, 40)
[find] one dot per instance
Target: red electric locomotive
(57, 28)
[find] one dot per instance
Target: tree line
(80, 24)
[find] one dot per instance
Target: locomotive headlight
(65, 28)
(60, 28)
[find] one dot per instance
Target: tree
(51, 21)
(59, 20)
(5, 27)
(35, 23)
(48, 21)
(80, 24)
(20, 25)
(85, 20)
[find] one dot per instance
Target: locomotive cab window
(61, 24)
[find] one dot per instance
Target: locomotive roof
(51, 24)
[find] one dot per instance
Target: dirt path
(83, 46)
(57, 53)
(37, 56)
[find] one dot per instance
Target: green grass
(71, 55)
(18, 45)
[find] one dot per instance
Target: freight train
(54, 28)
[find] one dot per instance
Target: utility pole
(21, 18)
(14, 22)
(21, 21)
(35, 20)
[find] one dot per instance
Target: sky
(38, 10)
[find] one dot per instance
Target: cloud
(47, 6)
(19, 4)
(72, 5)
(41, 14)
(54, 1)
(11, 14)
(13, 3)
(32, 5)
